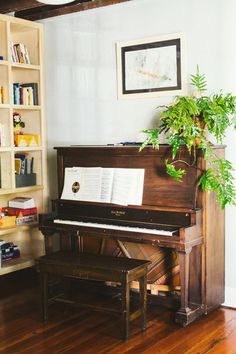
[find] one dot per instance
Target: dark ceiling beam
(7, 6)
(76, 6)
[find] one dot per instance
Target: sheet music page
(72, 177)
(127, 186)
(90, 190)
(82, 183)
(121, 185)
(135, 195)
(107, 183)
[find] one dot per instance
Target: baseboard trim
(230, 297)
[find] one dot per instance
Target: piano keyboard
(116, 227)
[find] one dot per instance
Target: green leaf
(219, 178)
(175, 174)
(199, 81)
(152, 139)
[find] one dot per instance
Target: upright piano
(178, 227)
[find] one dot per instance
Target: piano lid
(160, 190)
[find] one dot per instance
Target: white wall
(82, 105)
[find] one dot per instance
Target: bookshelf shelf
(23, 107)
(17, 264)
(28, 148)
(12, 229)
(5, 105)
(22, 81)
(29, 189)
(4, 62)
(25, 66)
(5, 149)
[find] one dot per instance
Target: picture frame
(151, 67)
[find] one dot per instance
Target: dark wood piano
(194, 242)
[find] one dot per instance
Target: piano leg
(184, 311)
(143, 301)
(125, 306)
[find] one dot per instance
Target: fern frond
(199, 81)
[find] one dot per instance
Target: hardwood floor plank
(83, 331)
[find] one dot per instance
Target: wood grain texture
(38, 13)
(83, 331)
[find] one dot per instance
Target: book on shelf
(122, 186)
(19, 212)
(25, 94)
(23, 164)
(19, 53)
(26, 219)
(21, 203)
(8, 250)
(2, 94)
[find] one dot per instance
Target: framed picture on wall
(151, 67)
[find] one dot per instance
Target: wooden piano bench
(69, 264)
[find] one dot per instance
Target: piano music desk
(99, 268)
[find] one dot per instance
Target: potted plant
(187, 121)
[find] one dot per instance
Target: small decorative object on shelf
(26, 140)
(21, 139)
(17, 123)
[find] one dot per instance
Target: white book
(21, 203)
(123, 186)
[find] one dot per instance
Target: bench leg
(125, 308)
(44, 295)
(143, 301)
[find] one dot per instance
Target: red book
(19, 212)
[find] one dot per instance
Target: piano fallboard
(127, 215)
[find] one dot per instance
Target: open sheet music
(122, 186)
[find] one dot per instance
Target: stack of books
(23, 208)
(25, 94)
(8, 250)
(19, 53)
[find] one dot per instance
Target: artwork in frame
(151, 67)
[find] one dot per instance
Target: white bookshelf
(27, 237)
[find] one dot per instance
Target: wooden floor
(83, 331)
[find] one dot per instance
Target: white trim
(230, 297)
